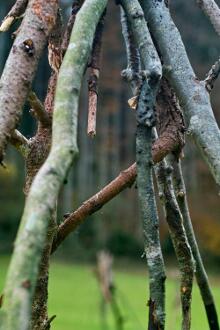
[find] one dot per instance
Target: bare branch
(16, 11)
(212, 76)
(212, 11)
(94, 77)
(20, 142)
(38, 111)
(22, 63)
(193, 96)
(200, 272)
(41, 200)
(179, 239)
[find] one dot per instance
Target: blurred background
(116, 227)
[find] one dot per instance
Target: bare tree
(163, 85)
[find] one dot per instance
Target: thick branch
(20, 142)
(16, 11)
(22, 63)
(192, 93)
(212, 11)
(41, 200)
(212, 76)
(201, 275)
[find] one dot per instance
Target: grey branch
(41, 200)
(20, 142)
(16, 11)
(179, 239)
(212, 11)
(200, 273)
(38, 110)
(191, 92)
(212, 76)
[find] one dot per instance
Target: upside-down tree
(168, 100)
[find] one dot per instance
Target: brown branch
(94, 77)
(124, 180)
(212, 76)
(16, 11)
(38, 110)
(22, 63)
(20, 142)
(66, 38)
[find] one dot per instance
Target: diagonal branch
(20, 142)
(41, 200)
(212, 11)
(191, 92)
(212, 76)
(22, 63)
(16, 11)
(200, 273)
(38, 110)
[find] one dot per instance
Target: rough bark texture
(191, 92)
(21, 64)
(212, 76)
(41, 200)
(16, 11)
(179, 239)
(212, 11)
(148, 209)
(200, 272)
(132, 73)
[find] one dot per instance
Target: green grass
(74, 297)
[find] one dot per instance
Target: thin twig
(20, 142)
(200, 273)
(212, 11)
(93, 80)
(38, 110)
(212, 76)
(16, 11)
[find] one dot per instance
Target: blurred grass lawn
(75, 298)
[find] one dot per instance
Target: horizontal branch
(20, 142)
(16, 11)
(212, 11)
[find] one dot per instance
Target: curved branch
(41, 200)
(16, 11)
(20, 142)
(212, 76)
(22, 63)
(191, 92)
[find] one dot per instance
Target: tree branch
(38, 110)
(22, 63)
(193, 96)
(93, 80)
(41, 200)
(212, 11)
(200, 273)
(179, 239)
(212, 76)
(16, 11)
(20, 142)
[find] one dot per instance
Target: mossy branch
(41, 200)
